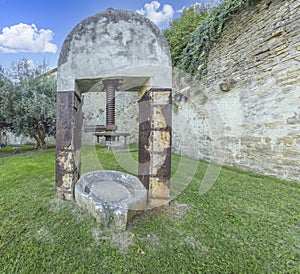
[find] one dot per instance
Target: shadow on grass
(245, 223)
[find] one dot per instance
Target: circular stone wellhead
(108, 194)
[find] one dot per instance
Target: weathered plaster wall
(246, 111)
(94, 113)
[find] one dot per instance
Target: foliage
(246, 223)
(190, 51)
(2, 76)
(5, 84)
(181, 30)
(28, 102)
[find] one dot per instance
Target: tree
(181, 30)
(5, 83)
(28, 102)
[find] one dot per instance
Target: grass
(245, 223)
(6, 151)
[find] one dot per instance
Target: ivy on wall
(194, 55)
(181, 29)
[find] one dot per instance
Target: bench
(115, 138)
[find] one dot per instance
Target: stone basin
(111, 195)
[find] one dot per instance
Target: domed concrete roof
(114, 44)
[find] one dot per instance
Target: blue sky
(36, 29)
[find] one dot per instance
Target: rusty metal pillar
(155, 138)
(68, 142)
(110, 86)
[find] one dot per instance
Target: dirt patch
(123, 239)
(43, 235)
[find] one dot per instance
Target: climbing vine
(181, 29)
(194, 56)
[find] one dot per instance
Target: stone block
(158, 118)
(161, 97)
(161, 141)
(158, 189)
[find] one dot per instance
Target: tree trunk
(41, 145)
(40, 142)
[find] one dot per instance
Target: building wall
(246, 111)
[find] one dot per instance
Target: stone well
(111, 195)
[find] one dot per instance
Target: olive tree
(28, 102)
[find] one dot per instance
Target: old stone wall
(246, 111)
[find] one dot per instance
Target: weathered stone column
(68, 143)
(155, 138)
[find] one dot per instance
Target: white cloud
(26, 38)
(30, 63)
(151, 10)
(197, 6)
(181, 10)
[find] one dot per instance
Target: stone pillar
(68, 142)
(155, 137)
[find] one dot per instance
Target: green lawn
(245, 223)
